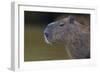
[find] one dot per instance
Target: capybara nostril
(46, 34)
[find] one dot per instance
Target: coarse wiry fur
(70, 32)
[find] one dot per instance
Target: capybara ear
(71, 19)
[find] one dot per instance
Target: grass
(35, 48)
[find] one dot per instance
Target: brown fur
(74, 36)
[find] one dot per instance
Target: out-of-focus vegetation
(36, 49)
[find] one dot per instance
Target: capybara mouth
(47, 40)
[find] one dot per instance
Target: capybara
(71, 34)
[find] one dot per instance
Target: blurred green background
(35, 48)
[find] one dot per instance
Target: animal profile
(71, 34)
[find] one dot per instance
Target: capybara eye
(61, 24)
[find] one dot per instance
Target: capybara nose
(46, 34)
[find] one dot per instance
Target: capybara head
(61, 30)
